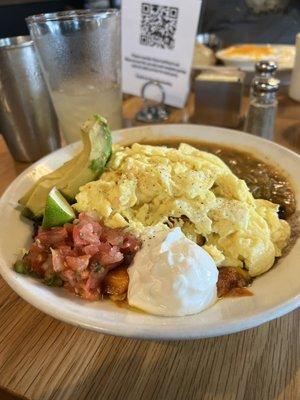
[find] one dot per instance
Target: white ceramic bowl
(275, 293)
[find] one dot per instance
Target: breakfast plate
(245, 56)
(274, 293)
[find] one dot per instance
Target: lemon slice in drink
(57, 210)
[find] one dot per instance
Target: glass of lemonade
(80, 55)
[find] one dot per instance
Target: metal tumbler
(27, 118)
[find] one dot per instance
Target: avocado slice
(54, 175)
(87, 166)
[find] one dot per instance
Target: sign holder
(153, 112)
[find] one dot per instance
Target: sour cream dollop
(172, 276)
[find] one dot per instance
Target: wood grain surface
(42, 358)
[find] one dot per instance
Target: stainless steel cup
(27, 118)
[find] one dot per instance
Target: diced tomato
(68, 251)
(91, 249)
(84, 235)
(114, 256)
(69, 276)
(131, 244)
(81, 254)
(91, 218)
(36, 256)
(78, 263)
(52, 237)
(108, 256)
(113, 236)
(84, 274)
(95, 279)
(104, 248)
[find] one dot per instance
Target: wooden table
(42, 358)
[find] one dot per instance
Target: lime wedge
(57, 210)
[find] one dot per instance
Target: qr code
(158, 25)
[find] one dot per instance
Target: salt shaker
(262, 111)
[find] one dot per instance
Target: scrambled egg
(153, 187)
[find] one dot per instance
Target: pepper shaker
(265, 69)
(262, 111)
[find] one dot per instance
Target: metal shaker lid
(268, 85)
(266, 67)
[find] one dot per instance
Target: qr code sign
(158, 25)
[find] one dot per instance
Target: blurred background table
(42, 358)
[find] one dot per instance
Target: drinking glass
(80, 55)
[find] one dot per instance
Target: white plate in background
(284, 55)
